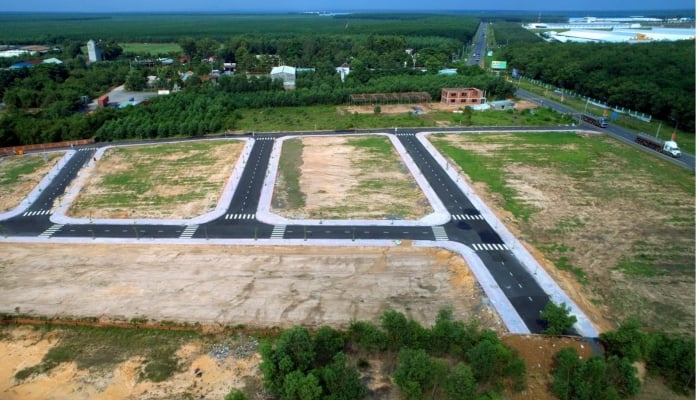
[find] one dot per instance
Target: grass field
(148, 181)
(286, 119)
(622, 222)
(155, 49)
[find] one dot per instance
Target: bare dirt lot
(341, 181)
(268, 286)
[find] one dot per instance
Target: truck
(595, 120)
(668, 147)
(102, 101)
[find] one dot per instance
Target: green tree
(460, 383)
(340, 381)
(135, 80)
(235, 394)
(566, 362)
(298, 386)
(627, 341)
(557, 318)
(414, 373)
(292, 352)
(467, 115)
(327, 343)
(622, 375)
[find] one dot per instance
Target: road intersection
(516, 285)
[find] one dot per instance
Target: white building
(94, 51)
(286, 74)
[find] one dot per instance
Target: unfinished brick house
(462, 96)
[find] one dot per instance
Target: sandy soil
(12, 194)
(270, 286)
(332, 180)
(25, 347)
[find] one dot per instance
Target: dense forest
(653, 78)
(43, 103)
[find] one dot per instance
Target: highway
(686, 160)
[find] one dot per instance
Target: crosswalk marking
(278, 232)
(405, 134)
(439, 233)
(189, 232)
(489, 246)
(465, 217)
(264, 138)
(88, 149)
(35, 213)
(47, 233)
(239, 216)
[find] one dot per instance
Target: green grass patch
(155, 49)
(101, 349)
(15, 168)
(169, 166)
(290, 170)
(605, 173)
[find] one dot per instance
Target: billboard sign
(490, 53)
(498, 65)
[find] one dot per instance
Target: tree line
(450, 360)
(655, 78)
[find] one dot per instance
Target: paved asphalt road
(686, 160)
(466, 225)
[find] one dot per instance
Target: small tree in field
(377, 110)
(557, 318)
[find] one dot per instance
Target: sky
(336, 5)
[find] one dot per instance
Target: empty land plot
(255, 286)
(19, 175)
(346, 178)
(613, 225)
(175, 180)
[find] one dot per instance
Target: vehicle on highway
(668, 147)
(601, 122)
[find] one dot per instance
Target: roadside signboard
(498, 65)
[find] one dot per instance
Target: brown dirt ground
(12, 194)
(332, 176)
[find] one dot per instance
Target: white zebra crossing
(264, 138)
(35, 213)
(467, 217)
(239, 216)
(489, 246)
(439, 233)
(47, 233)
(189, 232)
(278, 232)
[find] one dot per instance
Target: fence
(6, 151)
(590, 100)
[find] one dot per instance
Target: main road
(686, 160)
(466, 223)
